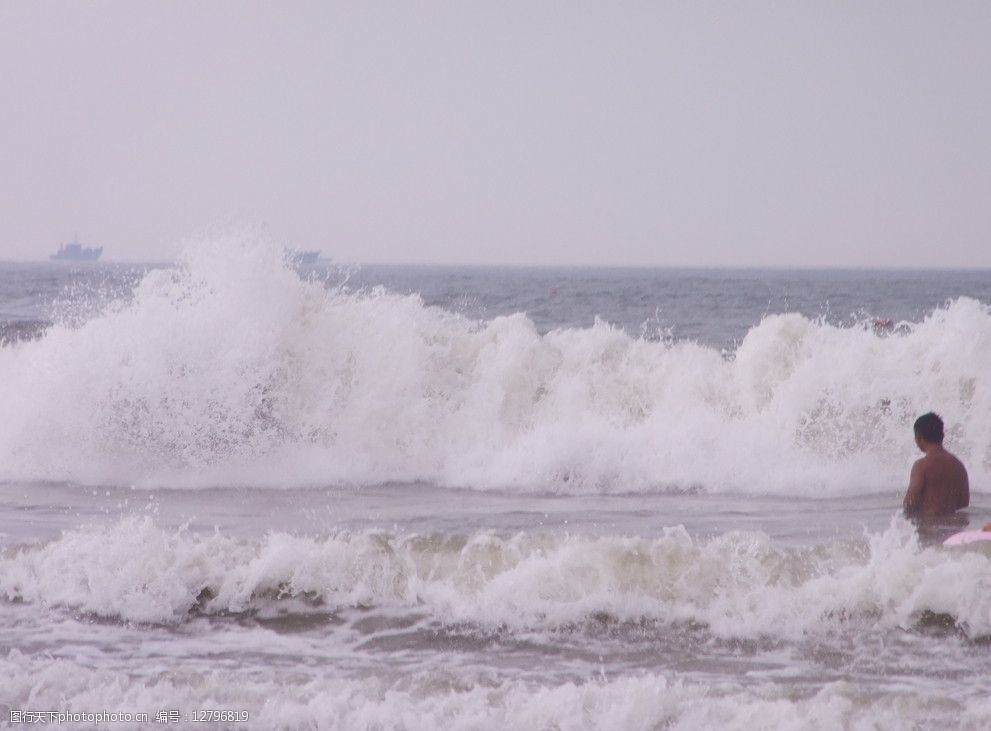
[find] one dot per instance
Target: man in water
(938, 484)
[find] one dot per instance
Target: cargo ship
(77, 252)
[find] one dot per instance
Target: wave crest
(738, 584)
(232, 369)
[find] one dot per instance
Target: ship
(76, 252)
(298, 258)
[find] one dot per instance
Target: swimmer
(938, 484)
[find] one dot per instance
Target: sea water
(474, 498)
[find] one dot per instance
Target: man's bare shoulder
(946, 460)
(956, 460)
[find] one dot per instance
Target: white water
(232, 370)
(738, 584)
(444, 701)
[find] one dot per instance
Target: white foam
(232, 370)
(440, 700)
(738, 584)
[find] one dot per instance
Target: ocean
(237, 494)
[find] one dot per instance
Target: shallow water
(431, 605)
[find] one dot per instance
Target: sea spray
(231, 369)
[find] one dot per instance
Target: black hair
(930, 428)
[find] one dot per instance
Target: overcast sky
(737, 133)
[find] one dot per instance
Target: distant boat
(77, 252)
(297, 258)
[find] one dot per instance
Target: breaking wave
(232, 369)
(738, 584)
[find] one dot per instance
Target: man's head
(928, 430)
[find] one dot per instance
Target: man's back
(938, 486)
